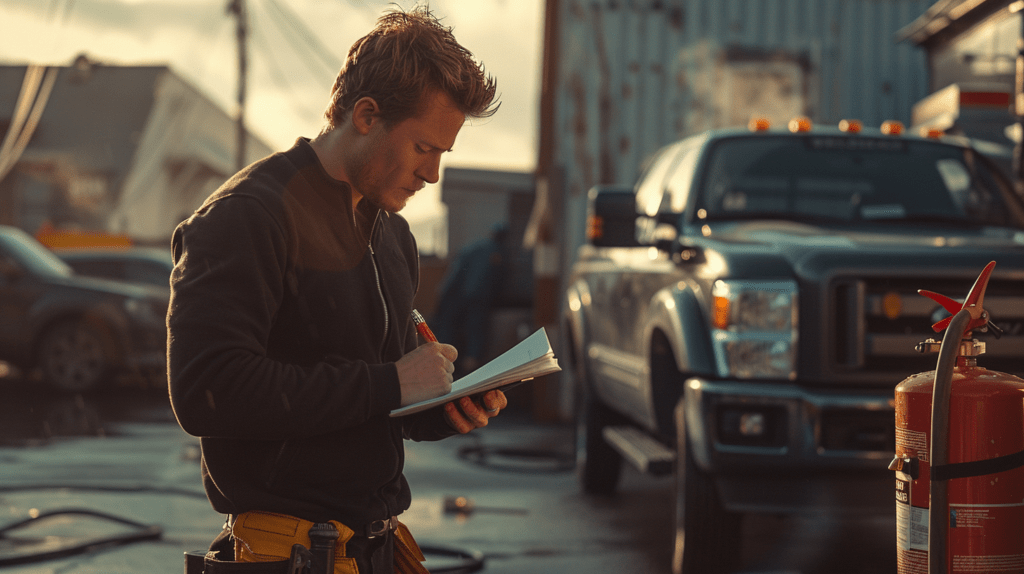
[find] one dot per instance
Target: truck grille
(879, 321)
(856, 430)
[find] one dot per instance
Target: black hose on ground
(521, 459)
(466, 560)
(460, 561)
(142, 532)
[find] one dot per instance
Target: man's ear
(365, 113)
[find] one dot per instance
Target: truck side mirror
(611, 220)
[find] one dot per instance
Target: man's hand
(426, 372)
(466, 414)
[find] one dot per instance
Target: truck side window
(651, 189)
(677, 190)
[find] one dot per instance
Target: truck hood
(814, 250)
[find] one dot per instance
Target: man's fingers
(449, 352)
(455, 419)
(473, 411)
(466, 414)
(494, 401)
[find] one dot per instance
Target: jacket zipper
(387, 326)
(383, 301)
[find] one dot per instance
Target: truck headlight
(754, 328)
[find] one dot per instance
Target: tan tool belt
(265, 543)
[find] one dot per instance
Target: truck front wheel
(707, 536)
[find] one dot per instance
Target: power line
(299, 30)
(278, 74)
(54, 10)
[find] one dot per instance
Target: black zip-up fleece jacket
(288, 312)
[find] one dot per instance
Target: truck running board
(640, 449)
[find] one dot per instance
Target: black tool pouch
(220, 560)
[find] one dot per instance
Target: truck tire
(74, 357)
(599, 465)
(708, 537)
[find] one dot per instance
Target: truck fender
(576, 304)
(676, 321)
(676, 312)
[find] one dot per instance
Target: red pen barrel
(422, 328)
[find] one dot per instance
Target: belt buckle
(378, 528)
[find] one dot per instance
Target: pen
(421, 326)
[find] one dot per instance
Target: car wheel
(73, 357)
(600, 466)
(708, 537)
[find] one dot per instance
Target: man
(290, 332)
(468, 294)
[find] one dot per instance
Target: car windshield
(31, 254)
(853, 178)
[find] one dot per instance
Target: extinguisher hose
(938, 490)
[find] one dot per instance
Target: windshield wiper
(784, 216)
(945, 219)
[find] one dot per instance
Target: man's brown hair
(403, 57)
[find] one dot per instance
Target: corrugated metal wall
(636, 74)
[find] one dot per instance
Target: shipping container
(631, 76)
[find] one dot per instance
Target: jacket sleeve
(431, 424)
(428, 425)
(226, 287)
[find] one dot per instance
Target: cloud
(139, 18)
(288, 86)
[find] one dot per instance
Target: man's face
(399, 160)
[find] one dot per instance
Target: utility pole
(542, 235)
(237, 8)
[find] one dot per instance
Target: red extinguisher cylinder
(985, 517)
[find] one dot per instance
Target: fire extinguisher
(960, 453)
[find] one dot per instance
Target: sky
(295, 50)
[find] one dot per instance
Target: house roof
(95, 115)
(948, 18)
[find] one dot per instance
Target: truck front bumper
(787, 448)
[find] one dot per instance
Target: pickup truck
(740, 317)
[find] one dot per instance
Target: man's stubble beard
(368, 182)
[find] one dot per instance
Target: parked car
(741, 316)
(150, 265)
(78, 332)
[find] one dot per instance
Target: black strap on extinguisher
(978, 467)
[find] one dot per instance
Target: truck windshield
(30, 254)
(854, 178)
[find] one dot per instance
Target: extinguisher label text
(912, 442)
(911, 521)
(902, 491)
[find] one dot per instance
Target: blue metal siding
(637, 74)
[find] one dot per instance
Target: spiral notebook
(531, 358)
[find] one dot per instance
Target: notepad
(531, 358)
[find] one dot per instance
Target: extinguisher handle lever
(905, 464)
(992, 328)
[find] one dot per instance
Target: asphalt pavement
(503, 499)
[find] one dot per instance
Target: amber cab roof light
(850, 126)
(892, 128)
(932, 133)
(759, 124)
(800, 124)
(595, 227)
